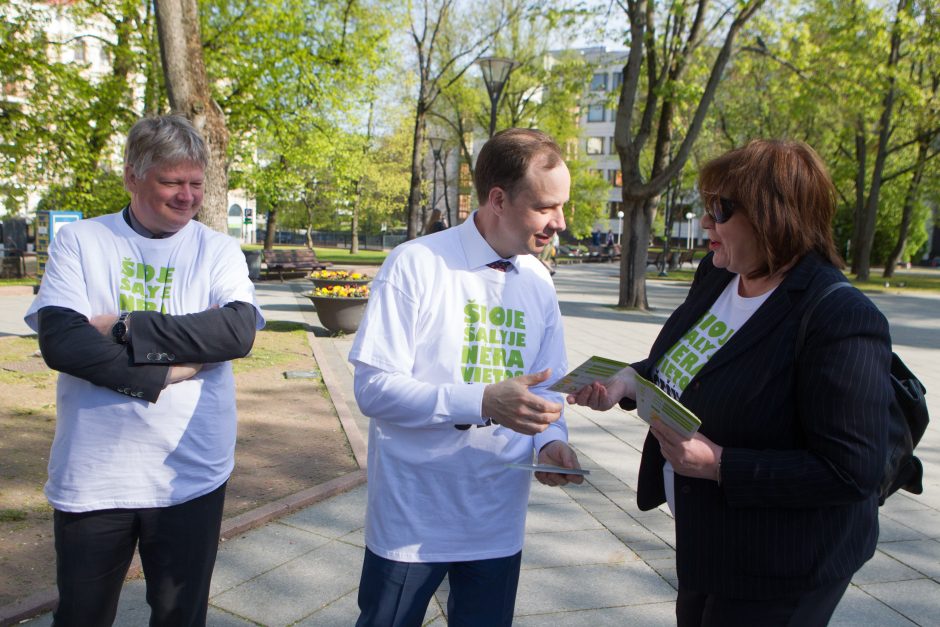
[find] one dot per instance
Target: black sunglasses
(721, 211)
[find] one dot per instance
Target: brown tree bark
(665, 63)
(863, 235)
(188, 89)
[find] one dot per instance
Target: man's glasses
(719, 208)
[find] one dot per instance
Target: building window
(618, 80)
(80, 51)
(615, 177)
(595, 145)
(599, 82)
(612, 148)
(595, 113)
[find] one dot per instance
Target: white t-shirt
(440, 325)
(676, 368)
(111, 451)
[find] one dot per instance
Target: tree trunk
(354, 239)
(862, 263)
(414, 194)
(861, 165)
(270, 228)
(188, 88)
(637, 217)
(640, 194)
(910, 199)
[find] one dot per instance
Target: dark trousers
(178, 545)
(809, 609)
(396, 594)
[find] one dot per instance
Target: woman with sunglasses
(775, 498)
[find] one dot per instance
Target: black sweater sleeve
(71, 345)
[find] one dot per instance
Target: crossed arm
(162, 349)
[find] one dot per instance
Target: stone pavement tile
(356, 538)
(569, 548)
(666, 569)
(604, 480)
(858, 608)
(625, 499)
(902, 501)
(549, 590)
(344, 611)
(883, 568)
(297, 589)
(890, 530)
(648, 615)
(542, 494)
(560, 516)
(925, 521)
(335, 517)
(270, 546)
(921, 555)
(592, 499)
(914, 600)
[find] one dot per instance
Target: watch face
(119, 330)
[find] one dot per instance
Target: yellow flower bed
(343, 291)
(337, 275)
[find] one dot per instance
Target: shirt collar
(477, 249)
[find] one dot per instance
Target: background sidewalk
(591, 557)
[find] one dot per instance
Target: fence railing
(335, 239)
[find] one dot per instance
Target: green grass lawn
(915, 280)
(338, 255)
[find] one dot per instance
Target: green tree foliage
(858, 82)
(544, 91)
(293, 77)
(59, 119)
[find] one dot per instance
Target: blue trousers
(396, 594)
(178, 545)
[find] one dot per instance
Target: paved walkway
(591, 557)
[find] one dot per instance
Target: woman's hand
(694, 457)
(604, 395)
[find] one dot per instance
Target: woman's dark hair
(784, 189)
(505, 158)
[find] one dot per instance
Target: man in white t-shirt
(460, 341)
(141, 312)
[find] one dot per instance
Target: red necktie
(502, 265)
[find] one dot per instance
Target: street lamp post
(437, 143)
(619, 226)
(495, 74)
(690, 216)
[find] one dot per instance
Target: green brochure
(594, 369)
(654, 404)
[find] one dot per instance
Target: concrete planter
(339, 314)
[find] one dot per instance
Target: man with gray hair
(141, 312)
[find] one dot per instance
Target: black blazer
(804, 442)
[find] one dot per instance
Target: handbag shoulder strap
(804, 322)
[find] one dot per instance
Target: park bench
(291, 261)
(600, 253)
(654, 258)
(686, 257)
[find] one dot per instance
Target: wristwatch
(119, 329)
